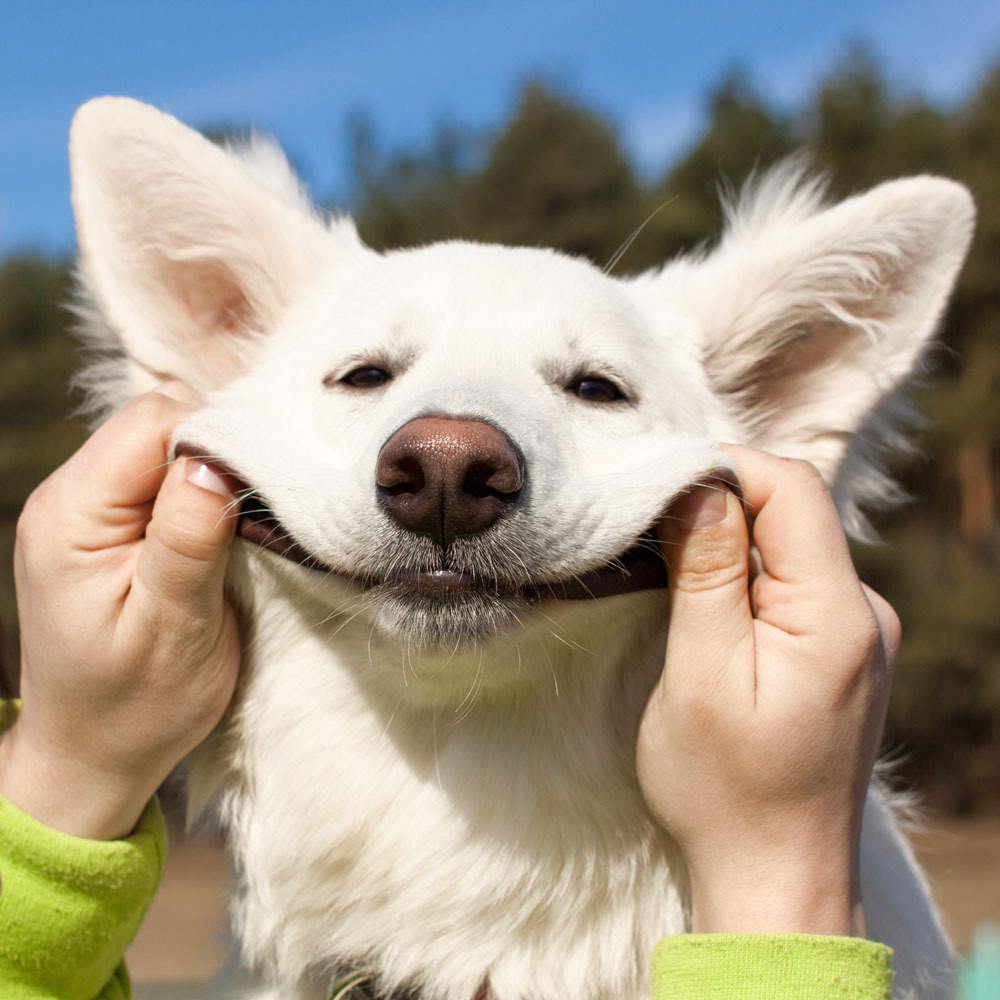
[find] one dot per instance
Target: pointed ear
(811, 316)
(189, 253)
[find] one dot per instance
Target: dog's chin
(444, 609)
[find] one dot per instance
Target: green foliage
(39, 358)
(556, 174)
(743, 135)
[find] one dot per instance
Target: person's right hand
(129, 651)
(757, 743)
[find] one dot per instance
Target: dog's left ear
(809, 316)
(190, 252)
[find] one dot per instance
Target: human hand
(129, 651)
(757, 743)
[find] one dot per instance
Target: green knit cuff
(770, 967)
(69, 907)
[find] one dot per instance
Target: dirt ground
(962, 859)
(185, 936)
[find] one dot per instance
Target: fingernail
(202, 474)
(703, 507)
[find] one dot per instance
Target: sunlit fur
(443, 790)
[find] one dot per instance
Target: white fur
(449, 816)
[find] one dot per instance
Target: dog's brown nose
(448, 476)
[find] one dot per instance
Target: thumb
(184, 555)
(706, 547)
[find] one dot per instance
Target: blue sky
(297, 69)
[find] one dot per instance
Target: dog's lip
(263, 529)
(257, 522)
(434, 581)
(640, 567)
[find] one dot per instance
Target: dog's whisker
(437, 759)
(624, 248)
(469, 701)
(552, 669)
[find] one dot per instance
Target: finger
(705, 544)
(185, 552)
(179, 391)
(796, 527)
(104, 491)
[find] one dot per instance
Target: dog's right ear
(190, 252)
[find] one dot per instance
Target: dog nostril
(489, 479)
(403, 475)
(447, 477)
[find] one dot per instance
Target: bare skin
(129, 652)
(757, 744)
(754, 750)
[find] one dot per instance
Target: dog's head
(461, 430)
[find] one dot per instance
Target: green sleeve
(770, 967)
(69, 907)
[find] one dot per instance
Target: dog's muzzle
(434, 482)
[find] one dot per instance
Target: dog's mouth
(640, 567)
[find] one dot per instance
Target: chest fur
(491, 837)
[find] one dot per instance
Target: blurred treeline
(556, 173)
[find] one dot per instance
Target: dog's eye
(366, 377)
(594, 389)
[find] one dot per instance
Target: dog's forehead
(492, 269)
(468, 292)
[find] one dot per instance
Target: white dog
(428, 770)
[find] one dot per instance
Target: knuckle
(710, 581)
(31, 522)
(709, 561)
(861, 655)
(863, 635)
(152, 409)
(806, 473)
(184, 537)
(892, 625)
(710, 571)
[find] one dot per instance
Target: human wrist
(67, 793)
(816, 895)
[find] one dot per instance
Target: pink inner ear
(206, 315)
(786, 377)
(209, 293)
